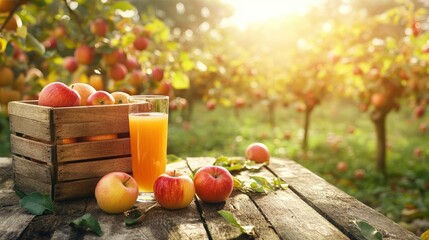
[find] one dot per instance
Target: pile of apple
(58, 94)
(117, 192)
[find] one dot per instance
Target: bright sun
(254, 11)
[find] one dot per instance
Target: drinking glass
(148, 120)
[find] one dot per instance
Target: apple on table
(174, 190)
(258, 152)
(213, 184)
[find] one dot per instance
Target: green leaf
(87, 221)
(231, 219)
(123, 6)
(31, 43)
(262, 182)
(280, 184)
(180, 80)
(171, 158)
(368, 231)
(37, 203)
(136, 215)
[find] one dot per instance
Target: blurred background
(340, 86)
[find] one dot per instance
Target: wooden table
(310, 209)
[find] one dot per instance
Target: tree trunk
(379, 120)
(307, 114)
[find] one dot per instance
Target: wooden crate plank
(40, 172)
(90, 169)
(337, 206)
(13, 221)
(75, 189)
(30, 110)
(101, 113)
(91, 150)
(32, 149)
(29, 185)
(30, 127)
(72, 130)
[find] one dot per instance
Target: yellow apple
(120, 97)
(84, 91)
(116, 192)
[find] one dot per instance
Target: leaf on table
(87, 221)
(237, 164)
(136, 215)
(20, 194)
(231, 219)
(368, 231)
(280, 184)
(261, 184)
(171, 158)
(37, 203)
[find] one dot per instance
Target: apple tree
(384, 70)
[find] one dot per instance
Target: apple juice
(148, 134)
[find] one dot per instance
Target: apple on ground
(100, 98)
(116, 192)
(211, 105)
(120, 97)
(58, 94)
(258, 152)
(84, 91)
(342, 166)
(213, 184)
(359, 173)
(174, 190)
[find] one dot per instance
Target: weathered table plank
(335, 205)
(282, 213)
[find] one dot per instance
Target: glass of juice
(148, 120)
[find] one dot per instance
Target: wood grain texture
(30, 127)
(75, 189)
(96, 149)
(91, 169)
(82, 114)
(13, 221)
(72, 130)
(35, 170)
(29, 185)
(32, 149)
(30, 109)
(338, 207)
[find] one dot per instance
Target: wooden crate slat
(30, 110)
(75, 189)
(32, 149)
(340, 208)
(73, 130)
(90, 169)
(104, 113)
(91, 150)
(33, 170)
(29, 185)
(30, 127)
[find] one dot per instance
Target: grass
(338, 132)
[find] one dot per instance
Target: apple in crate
(174, 190)
(58, 94)
(213, 184)
(120, 97)
(116, 192)
(84, 91)
(258, 153)
(100, 98)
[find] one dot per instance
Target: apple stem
(174, 173)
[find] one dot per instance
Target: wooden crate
(53, 152)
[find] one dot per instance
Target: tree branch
(11, 13)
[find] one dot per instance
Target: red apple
(240, 102)
(100, 98)
(116, 192)
(211, 105)
(258, 153)
(378, 100)
(84, 54)
(418, 152)
(174, 190)
(342, 167)
(57, 94)
(359, 173)
(137, 78)
(70, 64)
(99, 27)
(141, 43)
(419, 111)
(213, 184)
(118, 71)
(131, 63)
(157, 74)
(84, 90)
(120, 97)
(50, 43)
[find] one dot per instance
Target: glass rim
(133, 98)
